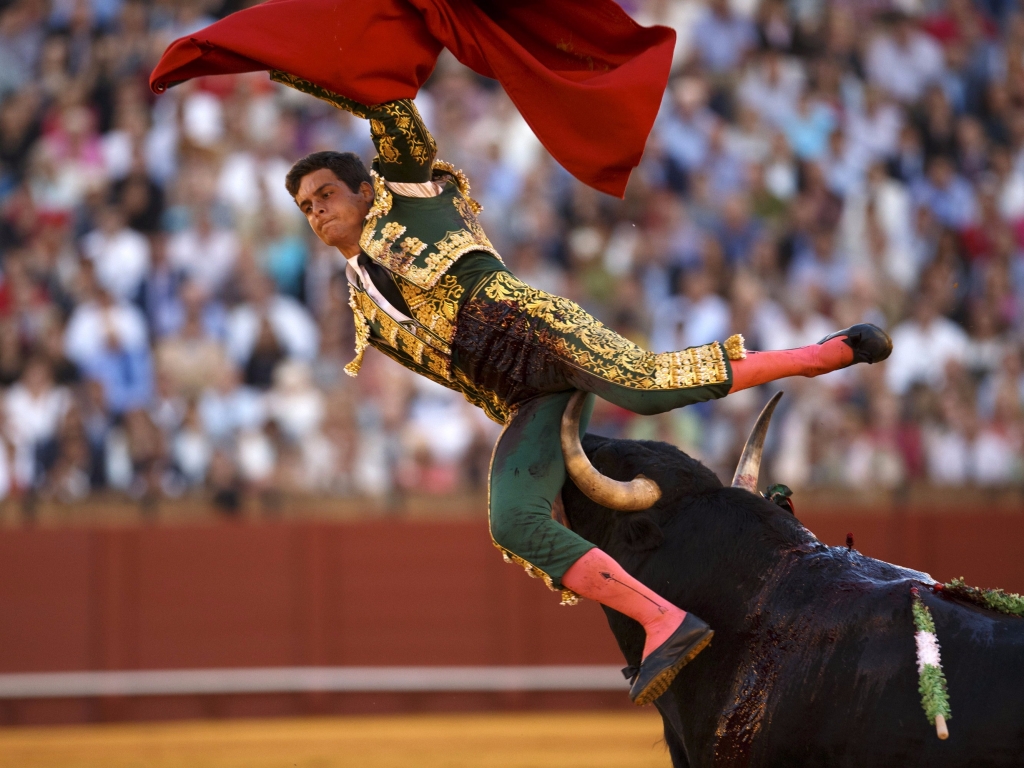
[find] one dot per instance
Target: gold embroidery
(468, 213)
(388, 152)
(435, 309)
(453, 246)
(334, 99)
(592, 346)
(432, 358)
(413, 245)
(461, 182)
(735, 347)
(402, 262)
(381, 251)
(362, 333)
(409, 123)
(392, 231)
(381, 203)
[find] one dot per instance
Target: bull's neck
(716, 559)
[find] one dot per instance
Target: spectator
(188, 356)
(34, 411)
(107, 340)
(903, 60)
(772, 86)
(873, 130)
(205, 252)
(923, 346)
(947, 195)
(721, 38)
(267, 329)
(226, 407)
(121, 255)
(697, 313)
(808, 128)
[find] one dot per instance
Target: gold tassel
(568, 596)
(735, 348)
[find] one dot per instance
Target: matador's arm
(405, 148)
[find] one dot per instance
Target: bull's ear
(749, 466)
(639, 493)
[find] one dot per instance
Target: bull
(813, 662)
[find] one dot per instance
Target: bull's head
(641, 492)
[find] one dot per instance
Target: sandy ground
(546, 740)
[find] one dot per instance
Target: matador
(430, 291)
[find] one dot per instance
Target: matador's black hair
(345, 165)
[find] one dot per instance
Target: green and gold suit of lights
(516, 352)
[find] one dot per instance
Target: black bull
(813, 660)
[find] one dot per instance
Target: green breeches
(528, 351)
(528, 472)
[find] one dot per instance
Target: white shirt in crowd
(921, 353)
(874, 135)
(86, 334)
(680, 323)
(31, 421)
(208, 259)
(904, 71)
(243, 172)
(121, 259)
(953, 458)
(292, 325)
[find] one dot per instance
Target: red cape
(585, 76)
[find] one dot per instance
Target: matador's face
(334, 211)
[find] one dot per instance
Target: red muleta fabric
(585, 76)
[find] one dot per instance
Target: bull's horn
(639, 493)
(750, 461)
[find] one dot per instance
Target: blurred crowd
(170, 326)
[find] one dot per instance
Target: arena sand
(514, 740)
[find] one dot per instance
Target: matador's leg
(552, 341)
(527, 472)
(859, 344)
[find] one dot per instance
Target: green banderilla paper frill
(931, 679)
(996, 599)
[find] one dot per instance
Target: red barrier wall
(371, 593)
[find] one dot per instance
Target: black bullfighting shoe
(661, 666)
(870, 344)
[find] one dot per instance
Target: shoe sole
(661, 683)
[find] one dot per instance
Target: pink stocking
(598, 577)
(761, 367)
